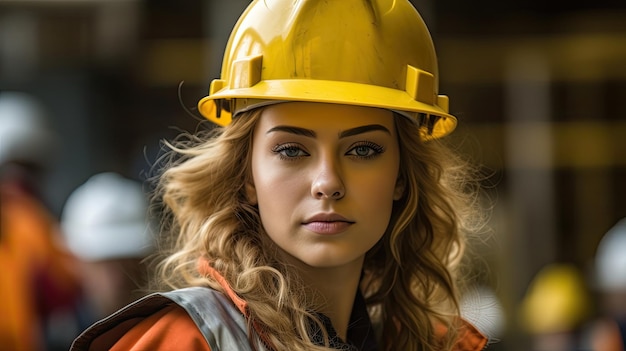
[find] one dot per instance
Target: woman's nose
(328, 184)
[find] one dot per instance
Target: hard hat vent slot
(427, 122)
(432, 120)
(218, 106)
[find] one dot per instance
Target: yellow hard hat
(556, 301)
(375, 53)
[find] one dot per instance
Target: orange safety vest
(198, 319)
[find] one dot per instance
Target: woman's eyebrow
(363, 129)
(346, 133)
(293, 130)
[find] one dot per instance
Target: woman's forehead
(319, 115)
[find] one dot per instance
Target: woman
(324, 213)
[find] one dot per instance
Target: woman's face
(324, 177)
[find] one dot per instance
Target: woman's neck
(336, 288)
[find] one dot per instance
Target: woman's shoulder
(167, 329)
(194, 318)
(157, 322)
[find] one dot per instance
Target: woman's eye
(289, 151)
(292, 152)
(363, 150)
(366, 150)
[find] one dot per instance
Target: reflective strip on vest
(220, 322)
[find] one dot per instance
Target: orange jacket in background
(36, 273)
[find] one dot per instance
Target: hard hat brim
(324, 91)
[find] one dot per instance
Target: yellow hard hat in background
(375, 53)
(557, 300)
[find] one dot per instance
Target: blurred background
(539, 89)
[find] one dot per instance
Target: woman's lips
(327, 228)
(327, 223)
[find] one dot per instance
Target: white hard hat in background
(24, 132)
(481, 306)
(610, 261)
(107, 218)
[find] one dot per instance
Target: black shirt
(361, 335)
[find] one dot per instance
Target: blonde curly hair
(409, 276)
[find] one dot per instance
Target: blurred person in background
(608, 331)
(555, 308)
(38, 277)
(106, 225)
